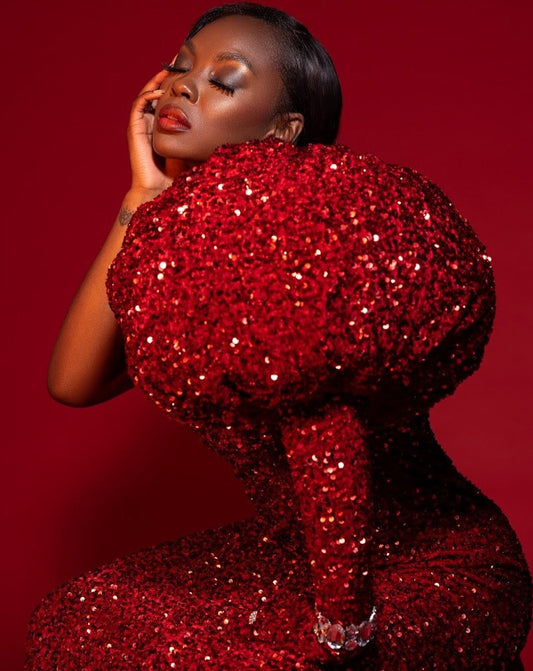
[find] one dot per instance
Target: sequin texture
(302, 309)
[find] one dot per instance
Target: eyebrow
(235, 56)
(225, 56)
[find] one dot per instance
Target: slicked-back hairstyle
(311, 83)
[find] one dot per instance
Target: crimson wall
(442, 86)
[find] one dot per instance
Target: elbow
(68, 387)
(83, 392)
(63, 391)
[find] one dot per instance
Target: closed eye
(225, 88)
(172, 68)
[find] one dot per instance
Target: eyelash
(224, 88)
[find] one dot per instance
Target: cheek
(241, 115)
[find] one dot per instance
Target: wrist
(137, 195)
(133, 199)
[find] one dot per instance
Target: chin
(163, 146)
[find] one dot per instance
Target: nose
(185, 87)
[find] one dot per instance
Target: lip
(172, 118)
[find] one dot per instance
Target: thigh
(449, 614)
(221, 599)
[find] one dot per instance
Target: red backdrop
(442, 86)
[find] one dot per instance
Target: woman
(302, 307)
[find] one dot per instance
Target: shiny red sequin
(303, 308)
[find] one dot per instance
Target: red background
(442, 86)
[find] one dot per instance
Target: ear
(286, 126)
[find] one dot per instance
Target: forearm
(87, 364)
(329, 460)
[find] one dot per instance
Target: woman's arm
(328, 454)
(87, 364)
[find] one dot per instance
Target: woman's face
(226, 89)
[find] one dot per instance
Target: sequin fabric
(302, 309)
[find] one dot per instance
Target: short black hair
(311, 83)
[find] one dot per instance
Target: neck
(175, 166)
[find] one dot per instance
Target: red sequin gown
(303, 308)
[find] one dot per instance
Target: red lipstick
(171, 118)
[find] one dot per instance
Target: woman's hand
(148, 174)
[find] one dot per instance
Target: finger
(147, 101)
(155, 82)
